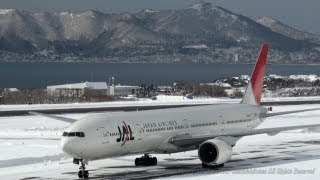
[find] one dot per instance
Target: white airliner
(212, 129)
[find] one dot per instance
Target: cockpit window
(73, 134)
(80, 134)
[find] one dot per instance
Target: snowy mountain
(207, 24)
(145, 33)
(286, 30)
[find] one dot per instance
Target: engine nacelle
(214, 151)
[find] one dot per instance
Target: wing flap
(59, 118)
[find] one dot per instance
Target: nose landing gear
(146, 160)
(82, 173)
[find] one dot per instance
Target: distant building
(245, 77)
(236, 58)
(164, 89)
(274, 76)
(119, 90)
(11, 90)
(308, 78)
(78, 89)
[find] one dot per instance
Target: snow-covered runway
(29, 149)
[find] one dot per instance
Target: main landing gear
(212, 166)
(82, 173)
(146, 160)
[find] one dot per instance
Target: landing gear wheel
(80, 174)
(212, 166)
(204, 165)
(138, 162)
(146, 160)
(83, 173)
(86, 175)
(154, 161)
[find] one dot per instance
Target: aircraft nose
(66, 146)
(73, 147)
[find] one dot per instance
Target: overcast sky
(303, 14)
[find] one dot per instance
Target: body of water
(26, 75)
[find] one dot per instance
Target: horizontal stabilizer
(290, 112)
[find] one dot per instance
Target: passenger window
(65, 134)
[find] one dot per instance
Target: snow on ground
(161, 100)
(29, 147)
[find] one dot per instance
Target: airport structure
(119, 90)
(165, 89)
(78, 89)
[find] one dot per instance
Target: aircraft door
(137, 130)
(103, 134)
(186, 124)
(221, 123)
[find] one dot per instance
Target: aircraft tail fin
(253, 93)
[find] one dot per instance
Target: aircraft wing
(185, 141)
(59, 118)
(290, 112)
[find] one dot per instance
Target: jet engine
(214, 152)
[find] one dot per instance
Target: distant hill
(288, 31)
(149, 36)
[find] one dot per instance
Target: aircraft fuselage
(116, 134)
